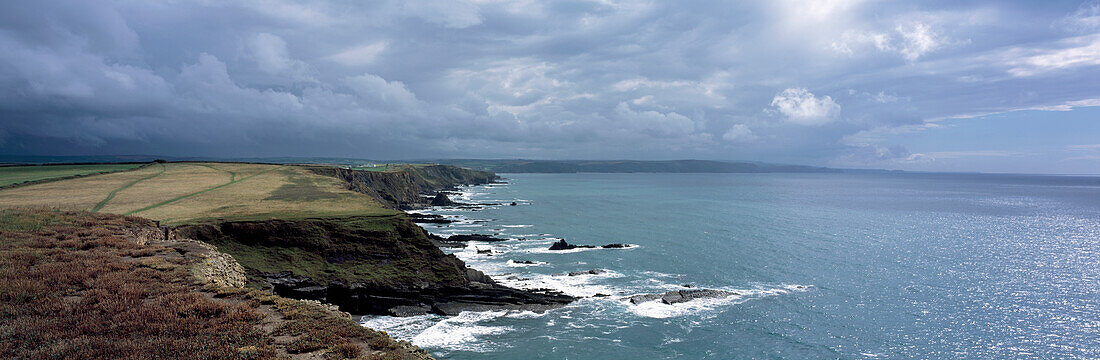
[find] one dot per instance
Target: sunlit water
(827, 265)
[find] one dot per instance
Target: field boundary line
(70, 177)
(112, 194)
(231, 182)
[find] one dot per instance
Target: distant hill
(629, 166)
(500, 166)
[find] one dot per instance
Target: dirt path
(234, 180)
(111, 195)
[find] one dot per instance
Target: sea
(824, 266)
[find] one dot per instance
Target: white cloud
(884, 98)
(739, 133)
(1071, 53)
(381, 92)
(1089, 147)
(917, 39)
(911, 40)
(359, 55)
(802, 107)
(1086, 19)
(975, 153)
(271, 56)
(655, 123)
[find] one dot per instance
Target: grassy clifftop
(402, 186)
(179, 193)
(78, 285)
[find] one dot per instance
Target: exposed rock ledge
(365, 265)
(679, 296)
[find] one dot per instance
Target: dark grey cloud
(825, 82)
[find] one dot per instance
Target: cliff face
(402, 188)
(365, 265)
(97, 286)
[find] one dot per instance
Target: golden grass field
(176, 193)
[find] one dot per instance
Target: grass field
(21, 174)
(177, 193)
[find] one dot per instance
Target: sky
(992, 86)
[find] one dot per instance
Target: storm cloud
(828, 82)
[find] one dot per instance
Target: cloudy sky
(922, 85)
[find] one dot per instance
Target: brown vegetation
(77, 285)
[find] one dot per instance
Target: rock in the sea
(484, 251)
(562, 245)
(407, 310)
(429, 218)
(513, 204)
(441, 199)
(589, 272)
(679, 296)
(616, 246)
(527, 262)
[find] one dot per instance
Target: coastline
(523, 260)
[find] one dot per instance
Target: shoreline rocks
(680, 296)
(563, 245)
(429, 218)
(481, 295)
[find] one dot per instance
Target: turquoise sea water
(909, 266)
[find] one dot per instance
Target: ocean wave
(401, 328)
(585, 285)
(513, 263)
(659, 310)
(462, 332)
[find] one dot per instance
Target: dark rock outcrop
(479, 296)
(364, 265)
(588, 272)
(562, 245)
(441, 199)
(401, 188)
(679, 296)
(429, 218)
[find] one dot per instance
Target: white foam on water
(579, 286)
(659, 310)
(401, 328)
(525, 314)
(513, 263)
(517, 226)
(546, 249)
(462, 332)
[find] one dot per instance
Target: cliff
(93, 286)
(632, 166)
(365, 265)
(402, 188)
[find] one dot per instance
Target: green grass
(22, 220)
(379, 168)
(111, 195)
(21, 174)
(378, 250)
(169, 201)
(301, 188)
